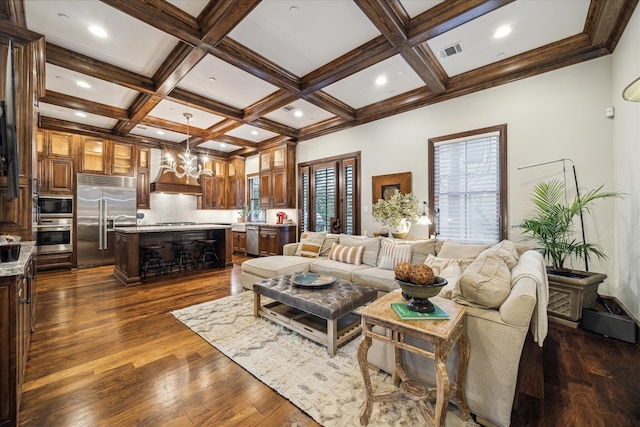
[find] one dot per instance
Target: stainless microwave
(55, 205)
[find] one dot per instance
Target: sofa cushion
(381, 279)
(391, 254)
(273, 266)
(421, 249)
(329, 240)
(333, 268)
(310, 244)
(485, 283)
(371, 247)
(348, 254)
(465, 252)
(506, 250)
(438, 264)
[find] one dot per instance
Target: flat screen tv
(8, 135)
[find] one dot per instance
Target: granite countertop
(161, 228)
(18, 267)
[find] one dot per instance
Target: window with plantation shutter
(468, 185)
(325, 197)
(329, 197)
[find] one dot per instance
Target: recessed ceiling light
(62, 15)
(298, 113)
(83, 84)
(222, 145)
(79, 114)
(502, 32)
(293, 10)
(160, 132)
(97, 31)
(381, 80)
(400, 73)
(254, 132)
(142, 127)
(501, 55)
(212, 79)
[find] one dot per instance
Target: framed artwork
(383, 186)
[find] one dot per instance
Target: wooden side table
(442, 334)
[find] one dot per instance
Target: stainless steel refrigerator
(103, 202)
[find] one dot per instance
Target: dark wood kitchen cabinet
(271, 239)
(17, 314)
(277, 177)
(55, 162)
(240, 242)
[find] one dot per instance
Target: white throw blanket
(539, 321)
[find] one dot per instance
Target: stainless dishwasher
(252, 240)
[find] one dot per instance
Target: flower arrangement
(399, 206)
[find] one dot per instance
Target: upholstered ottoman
(324, 315)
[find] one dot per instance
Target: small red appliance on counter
(281, 217)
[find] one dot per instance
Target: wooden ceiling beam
(209, 105)
(221, 128)
(350, 63)
(236, 54)
(162, 15)
(331, 104)
(138, 110)
(387, 21)
(272, 102)
(80, 63)
(447, 16)
(68, 101)
(220, 17)
(172, 126)
(607, 20)
(271, 126)
(232, 140)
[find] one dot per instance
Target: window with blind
(328, 195)
(468, 185)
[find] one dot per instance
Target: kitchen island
(129, 240)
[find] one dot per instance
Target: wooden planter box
(569, 292)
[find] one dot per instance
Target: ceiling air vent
(288, 108)
(450, 50)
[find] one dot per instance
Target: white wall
(626, 137)
(560, 114)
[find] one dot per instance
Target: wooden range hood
(170, 183)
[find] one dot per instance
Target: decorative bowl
(421, 291)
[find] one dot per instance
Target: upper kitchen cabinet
(101, 156)
(277, 176)
(214, 187)
(55, 162)
(235, 182)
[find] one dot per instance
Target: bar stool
(152, 261)
(181, 255)
(208, 253)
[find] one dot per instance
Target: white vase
(401, 231)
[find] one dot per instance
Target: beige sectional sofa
(504, 286)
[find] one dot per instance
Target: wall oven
(54, 235)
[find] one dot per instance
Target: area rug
(330, 390)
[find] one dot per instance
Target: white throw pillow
(507, 251)
(391, 254)
(310, 244)
(438, 265)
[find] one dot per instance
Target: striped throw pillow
(310, 244)
(391, 254)
(346, 254)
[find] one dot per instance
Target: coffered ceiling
(253, 72)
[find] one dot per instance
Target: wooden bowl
(422, 291)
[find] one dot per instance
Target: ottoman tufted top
(332, 302)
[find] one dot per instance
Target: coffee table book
(404, 313)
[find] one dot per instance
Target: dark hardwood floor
(104, 355)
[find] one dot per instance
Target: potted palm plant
(396, 212)
(551, 227)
